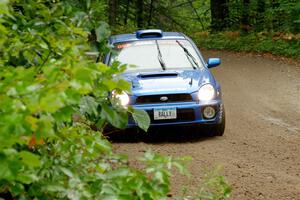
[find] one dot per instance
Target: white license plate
(165, 113)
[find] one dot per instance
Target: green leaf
(17, 189)
(67, 172)
(54, 188)
(89, 105)
(29, 158)
(115, 118)
(26, 178)
(123, 85)
(102, 32)
(51, 102)
(142, 118)
(3, 6)
(83, 74)
(110, 84)
(64, 114)
(5, 171)
(119, 173)
(88, 4)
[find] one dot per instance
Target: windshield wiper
(189, 56)
(159, 56)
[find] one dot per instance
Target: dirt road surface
(260, 151)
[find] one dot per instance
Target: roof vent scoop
(150, 33)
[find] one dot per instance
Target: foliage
(279, 15)
(55, 102)
(214, 186)
(180, 15)
(194, 16)
(277, 44)
(251, 18)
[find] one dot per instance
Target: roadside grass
(282, 44)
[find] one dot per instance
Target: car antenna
(159, 56)
(191, 82)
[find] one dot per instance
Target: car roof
(156, 34)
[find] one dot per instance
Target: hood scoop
(154, 75)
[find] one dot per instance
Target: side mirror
(213, 62)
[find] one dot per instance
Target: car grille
(157, 98)
(182, 115)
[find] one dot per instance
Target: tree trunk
(275, 18)
(126, 12)
(260, 15)
(140, 13)
(245, 23)
(150, 12)
(219, 14)
(112, 12)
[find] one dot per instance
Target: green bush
(54, 104)
(254, 42)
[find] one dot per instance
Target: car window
(143, 55)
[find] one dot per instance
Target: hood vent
(158, 75)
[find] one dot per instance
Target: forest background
(241, 25)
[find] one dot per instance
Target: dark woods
(202, 15)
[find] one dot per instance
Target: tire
(218, 129)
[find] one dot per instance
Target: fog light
(209, 112)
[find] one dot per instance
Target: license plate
(165, 113)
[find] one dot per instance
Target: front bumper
(188, 113)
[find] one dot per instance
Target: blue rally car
(170, 80)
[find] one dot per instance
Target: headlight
(206, 92)
(123, 98)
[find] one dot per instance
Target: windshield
(155, 55)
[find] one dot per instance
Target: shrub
(55, 103)
(284, 45)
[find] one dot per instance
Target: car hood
(169, 81)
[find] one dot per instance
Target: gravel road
(260, 150)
